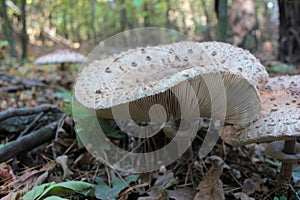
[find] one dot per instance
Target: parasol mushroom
(61, 56)
(279, 121)
(148, 76)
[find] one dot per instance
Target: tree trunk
(222, 20)
(289, 31)
(92, 12)
(168, 22)
(24, 36)
(8, 30)
(147, 11)
(216, 8)
(65, 22)
(207, 36)
(243, 23)
(123, 15)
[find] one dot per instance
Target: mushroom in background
(61, 56)
(279, 121)
(143, 77)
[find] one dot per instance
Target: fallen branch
(27, 111)
(31, 125)
(28, 142)
(18, 83)
(14, 126)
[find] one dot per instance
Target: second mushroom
(278, 123)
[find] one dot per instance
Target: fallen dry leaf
(63, 162)
(155, 193)
(181, 194)
(242, 196)
(253, 185)
(6, 171)
(14, 195)
(27, 180)
(211, 187)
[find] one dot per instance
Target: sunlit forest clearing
(216, 80)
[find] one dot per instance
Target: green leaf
(104, 192)
(67, 108)
(280, 68)
(3, 43)
(58, 189)
(132, 178)
(75, 68)
(108, 129)
(280, 198)
(37, 191)
(65, 95)
(88, 130)
(55, 198)
(137, 3)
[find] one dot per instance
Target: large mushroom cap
(60, 56)
(279, 117)
(153, 75)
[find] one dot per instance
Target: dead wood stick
(21, 81)
(28, 142)
(26, 111)
(17, 83)
(12, 88)
(33, 123)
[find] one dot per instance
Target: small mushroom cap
(147, 76)
(274, 150)
(279, 117)
(60, 56)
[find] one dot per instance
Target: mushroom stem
(284, 179)
(62, 66)
(289, 147)
(285, 175)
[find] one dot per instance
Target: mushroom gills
(221, 96)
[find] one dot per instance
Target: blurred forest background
(30, 28)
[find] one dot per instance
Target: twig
(59, 125)
(12, 88)
(29, 127)
(28, 142)
(18, 83)
(296, 35)
(26, 111)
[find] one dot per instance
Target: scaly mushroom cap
(153, 75)
(60, 56)
(279, 117)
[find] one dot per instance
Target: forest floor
(241, 172)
